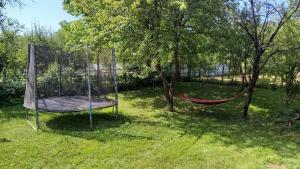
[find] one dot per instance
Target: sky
(47, 13)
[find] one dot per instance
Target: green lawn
(147, 136)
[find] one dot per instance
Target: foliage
(261, 21)
(160, 36)
(12, 88)
(13, 55)
(288, 60)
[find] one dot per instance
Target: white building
(105, 68)
(219, 69)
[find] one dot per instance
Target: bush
(127, 82)
(11, 89)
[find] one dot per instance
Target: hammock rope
(185, 97)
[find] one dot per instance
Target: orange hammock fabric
(207, 101)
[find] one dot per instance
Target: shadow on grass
(13, 112)
(10, 102)
(155, 99)
(224, 121)
(221, 122)
(229, 132)
(146, 97)
(4, 140)
(106, 127)
(80, 122)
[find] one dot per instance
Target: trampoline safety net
(59, 81)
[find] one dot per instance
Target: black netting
(65, 74)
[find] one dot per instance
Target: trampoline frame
(33, 91)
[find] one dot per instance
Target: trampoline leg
(115, 111)
(37, 119)
(26, 114)
(91, 120)
(117, 108)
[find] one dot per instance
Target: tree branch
(253, 6)
(286, 16)
(275, 52)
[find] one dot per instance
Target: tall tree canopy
(150, 34)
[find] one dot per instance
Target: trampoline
(71, 104)
(60, 81)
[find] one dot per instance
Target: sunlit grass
(146, 136)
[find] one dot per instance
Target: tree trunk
(189, 72)
(222, 73)
(199, 75)
(233, 72)
(275, 80)
(176, 63)
(207, 77)
(229, 69)
(243, 76)
(247, 103)
(250, 90)
(282, 81)
(168, 89)
(4, 76)
(179, 73)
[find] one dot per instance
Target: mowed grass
(144, 135)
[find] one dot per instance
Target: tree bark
(243, 76)
(189, 72)
(222, 73)
(179, 73)
(233, 73)
(250, 89)
(166, 87)
(229, 69)
(275, 80)
(168, 91)
(4, 76)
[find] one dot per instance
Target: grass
(146, 136)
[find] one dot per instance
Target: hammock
(207, 101)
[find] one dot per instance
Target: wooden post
(89, 87)
(114, 74)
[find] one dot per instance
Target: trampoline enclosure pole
(89, 87)
(33, 52)
(26, 114)
(60, 72)
(114, 74)
(98, 77)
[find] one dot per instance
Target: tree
(8, 29)
(261, 20)
(3, 5)
(290, 60)
(148, 34)
(9, 47)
